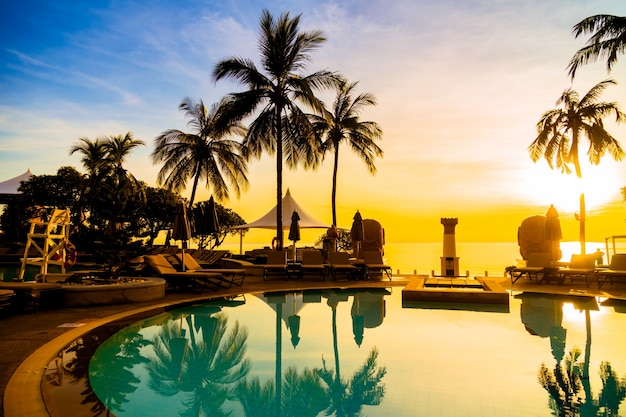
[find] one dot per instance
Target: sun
(600, 184)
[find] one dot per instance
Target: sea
(475, 258)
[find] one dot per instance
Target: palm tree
(608, 40)
(560, 131)
(342, 124)
(93, 154)
(205, 154)
(280, 126)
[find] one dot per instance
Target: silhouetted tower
(449, 260)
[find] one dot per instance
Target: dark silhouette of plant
(561, 130)
(208, 153)
(280, 126)
(608, 40)
(341, 125)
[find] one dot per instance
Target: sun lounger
(276, 265)
(617, 269)
(374, 265)
(312, 264)
(340, 265)
(538, 265)
(178, 279)
(232, 275)
(580, 266)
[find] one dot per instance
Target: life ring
(275, 243)
(70, 255)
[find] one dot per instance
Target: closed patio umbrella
(182, 228)
(553, 232)
(207, 223)
(294, 231)
(356, 233)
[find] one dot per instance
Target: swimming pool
(349, 353)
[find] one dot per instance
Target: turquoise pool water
(351, 353)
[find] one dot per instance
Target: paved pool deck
(30, 339)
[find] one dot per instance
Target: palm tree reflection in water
(312, 391)
(206, 367)
(568, 385)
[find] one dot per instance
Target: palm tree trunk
(193, 190)
(582, 223)
(279, 179)
(279, 359)
(334, 192)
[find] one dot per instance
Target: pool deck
(29, 340)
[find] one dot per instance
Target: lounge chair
(233, 276)
(580, 266)
(178, 279)
(276, 265)
(537, 265)
(312, 264)
(617, 269)
(374, 264)
(340, 265)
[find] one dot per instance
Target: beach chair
(178, 279)
(617, 269)
(312, 264)
(231, 275)
(536, 267)
(374, 265)
(580, 266)
(276, 265)
(339, 265)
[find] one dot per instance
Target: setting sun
(600, 183)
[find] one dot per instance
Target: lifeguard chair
(51, 243)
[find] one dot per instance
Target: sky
(460, 86)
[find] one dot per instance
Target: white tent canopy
(10, 186)
(268, 221)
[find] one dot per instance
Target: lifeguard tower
(50, 239)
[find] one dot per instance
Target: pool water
(349, 353)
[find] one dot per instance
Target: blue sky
(460, 86)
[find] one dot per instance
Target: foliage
(274, 95)
(344, 240)
(207, 154)
(38, 194)
(226, 217)
(608, 41)
(341, 124)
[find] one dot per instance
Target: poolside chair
(617, 269)
(312, 264)
(340, 265)
(177, 279)
(537, 265)
(232, 275)
(374, 265)
(276, 265)
(580, 266)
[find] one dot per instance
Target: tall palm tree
(207, 153)
(341, 124)
(280, 126)
(608, 40)
(560, 132)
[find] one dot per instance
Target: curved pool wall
(436, 361)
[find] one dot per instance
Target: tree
(341, 124)
(280, 126)
(207, 153)
(608, 40)
(560, 132)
